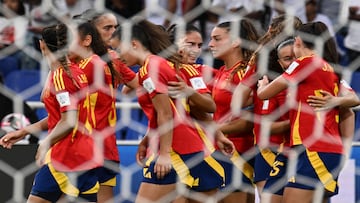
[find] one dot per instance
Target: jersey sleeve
(154, 76)
(66, 92)
(300, 68)
(125, 72)
(194, 78)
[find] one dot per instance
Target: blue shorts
(50, 184)
(197, 172)
(264, 161)
(237, 167)
(107, 174)
(277, 178)
(317, 168)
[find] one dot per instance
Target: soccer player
(191, 86)
(173, 141)
(69, 128)
(273, 140)
(246, 90)
(314, 135)
(228, 44)
(106, 23)
(103, 80)
(104, 109)
(277, 179)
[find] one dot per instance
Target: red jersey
(317, 131)
(275, 107)
(125, 72)
(102, 103)
(224, 85)
(193, 78)
(63, 93)
(154, 76)
(266, 107)
(208, 73)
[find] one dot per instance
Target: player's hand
(9, 139)
(225, 145)
(179, 89)
(263, 82)
(324, 102)
(141, 152)
(162, 165)
(44, 146)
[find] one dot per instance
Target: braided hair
(56, 39)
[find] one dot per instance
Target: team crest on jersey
(149, 85)
(197, 83)
(63, 98)
(292, 67)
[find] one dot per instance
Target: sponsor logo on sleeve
(149, 85)
(63, 99)
(197, 83)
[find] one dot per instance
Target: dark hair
(310, 32)
(57, 40)
(175, 29)
(20, 10)
(153, 38)
(246, 32)
(285, 43)
(277, 32)
(91, 15)
(99, 47)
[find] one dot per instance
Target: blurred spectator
(12, 11)
(205, 21)
(290, 7)
(154, 15)
(352, 39)
(313, 15)
(13, 23)
(230, 8)
(331, 8)
(42, 14)
(76, 7)
(125, 8)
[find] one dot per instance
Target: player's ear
(236, 43)
(87, 41)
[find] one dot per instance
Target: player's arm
(9, 139)
(280, 127)
(241, 125)
(165, 130)
(202, 101)
(346, 99)
(347, 128)
(66, 124)
(268, 90)
(133, 84)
